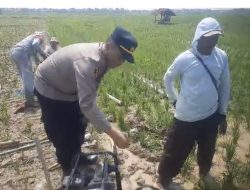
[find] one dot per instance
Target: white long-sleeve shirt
(198, 98)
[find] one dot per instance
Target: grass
(158, 47)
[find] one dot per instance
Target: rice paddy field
(145, 113)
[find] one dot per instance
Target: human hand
(118, 137)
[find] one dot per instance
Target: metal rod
(45, 169)
(26, 147)
(119, 102)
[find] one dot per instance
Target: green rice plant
(112, 110)
(243, 174)
(4, 115)
(235, 133)
(187, 167)
(139, 112)
(230, 148)
(232, 166)
(121, 123)
(248, 120)
(229, 176)
(28, 129)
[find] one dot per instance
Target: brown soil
(23, 170)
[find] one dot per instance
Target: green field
(158, 46)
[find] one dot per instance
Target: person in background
(201, 104)
(66, 85)
(54, 46)
(21, 54)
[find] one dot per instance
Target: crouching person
(66, 85)
(21, 54)
(54, 45)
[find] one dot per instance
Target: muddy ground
(23, 170)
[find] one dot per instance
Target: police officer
(21, 55)
(66, 85)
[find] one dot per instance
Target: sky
(127, 4)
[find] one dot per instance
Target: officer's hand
(222, 124)
(118, 137)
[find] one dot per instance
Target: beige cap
(53, 39)
(213, 32)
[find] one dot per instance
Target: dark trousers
(180, 140)
(65, 127)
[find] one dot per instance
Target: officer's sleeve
(169, 80)
(87, 97)
(224, 88)
(36, 45)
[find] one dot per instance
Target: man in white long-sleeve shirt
(201, 103)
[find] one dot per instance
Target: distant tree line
(70, 11)
(44, 11)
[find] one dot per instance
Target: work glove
(222, 124)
